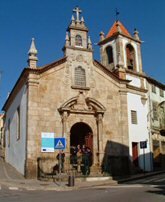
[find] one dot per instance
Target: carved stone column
(64, 118)
(139, 57)
(119, 52)
(100, 137)
(64, 130)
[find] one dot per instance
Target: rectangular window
(133, 117)
(161, 92)
(18, 122)
(155, 112)
(80, 77)
(8, 127)
(153, 88)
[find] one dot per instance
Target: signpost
(143, 145)
(50, 144)
(60, 144)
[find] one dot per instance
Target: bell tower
(119, 49)
(77, 34)
(79, 52)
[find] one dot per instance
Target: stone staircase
(97, 179)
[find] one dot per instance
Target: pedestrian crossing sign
(60, 143)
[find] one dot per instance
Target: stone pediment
(82, 104)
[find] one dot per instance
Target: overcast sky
(47, 21)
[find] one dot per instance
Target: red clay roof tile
(114, 30)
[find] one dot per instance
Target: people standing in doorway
(73, 157)
(79, 158)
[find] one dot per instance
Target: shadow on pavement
(158, 190)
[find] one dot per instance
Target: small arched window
(78, 40)
(109, 52)
(130, 53)
(80, 77)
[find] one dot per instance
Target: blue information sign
(60, 143)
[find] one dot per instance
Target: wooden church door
(89, 141)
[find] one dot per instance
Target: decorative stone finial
(82, 19)
(102, 36)
(32, 50)
(89, 43)
(136, 34)
(67, 39)
(32, 60)
(73, 20)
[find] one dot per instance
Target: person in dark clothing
(73, 158)
(61, 160)
(86, 160)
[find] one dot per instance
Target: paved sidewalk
(7, 172)
(12, 179)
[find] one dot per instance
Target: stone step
(107, 179)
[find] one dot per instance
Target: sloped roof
(23, 78)
(154, 81)
(107, 71)
(113, 30)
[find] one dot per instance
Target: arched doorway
(81, 134)
(81, 157)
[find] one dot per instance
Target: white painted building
(16, 128)
(156, 121)
(125, 54)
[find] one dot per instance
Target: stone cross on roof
(77, 10)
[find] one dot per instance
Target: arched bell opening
(109, 57)
(130, 54)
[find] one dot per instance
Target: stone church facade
(100, 104)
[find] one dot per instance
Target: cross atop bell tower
(77, 10)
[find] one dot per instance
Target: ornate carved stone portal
(85, 107)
